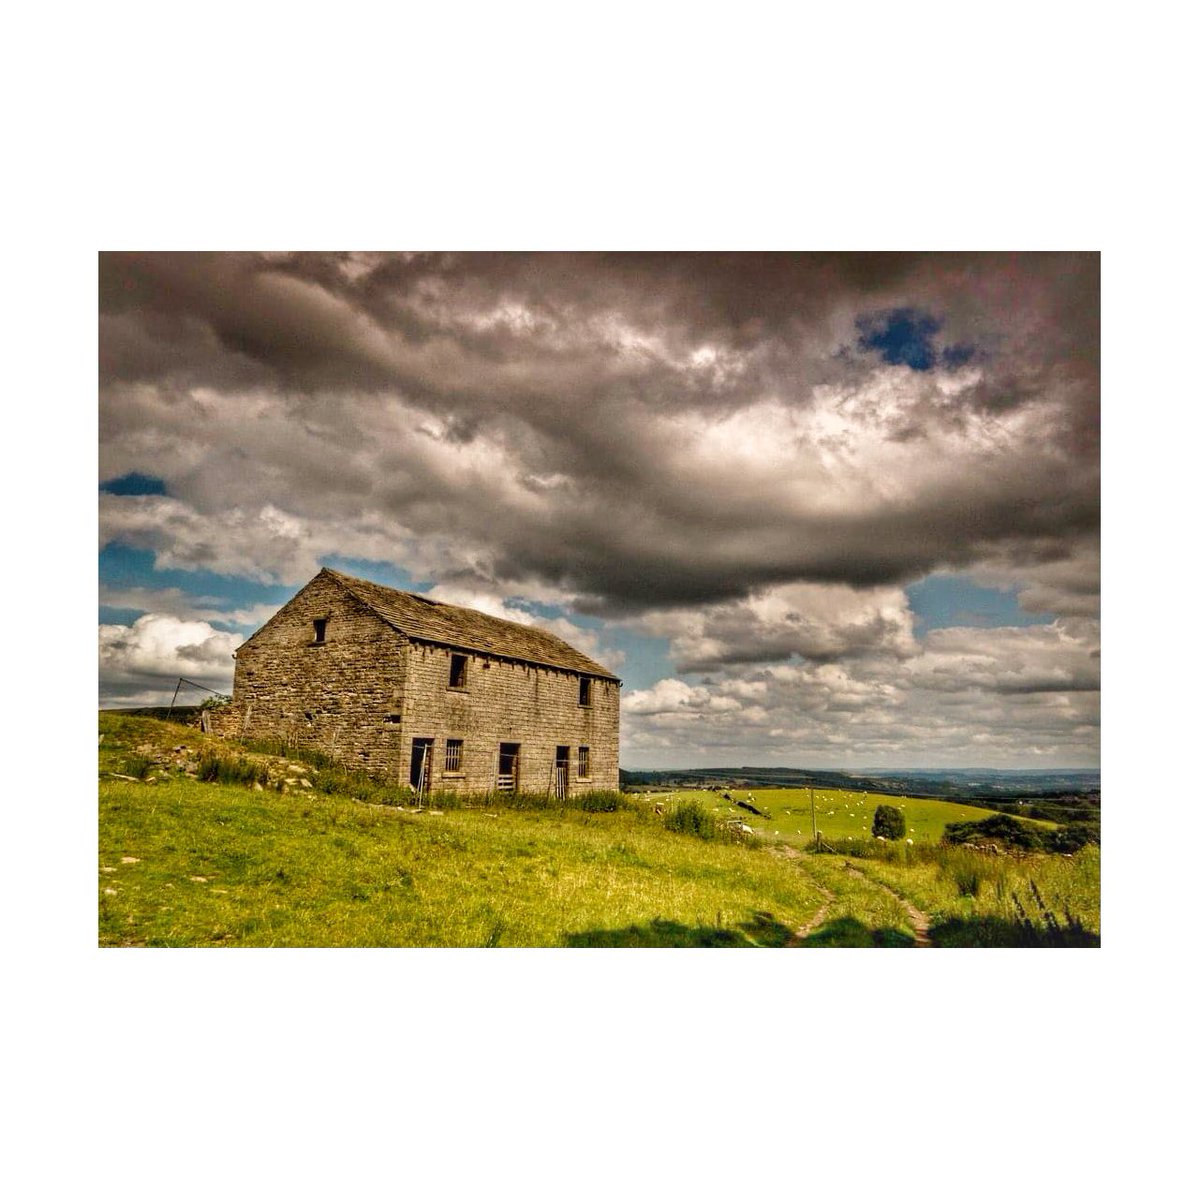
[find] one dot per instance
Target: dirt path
(918, 919)
(799, 936)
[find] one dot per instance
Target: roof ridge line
(451, 637)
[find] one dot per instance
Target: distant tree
(888, 823)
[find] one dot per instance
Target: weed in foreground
(137, 766)
(691, 818)
(221, 768)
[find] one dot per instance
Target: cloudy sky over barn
(815, 510)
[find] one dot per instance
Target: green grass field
(839, 814)
(189, 863)
(218, 865)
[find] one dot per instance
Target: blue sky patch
(901, 335)
(385, 573)
(124, 566)
(958, 355)
(906, 337)
(944, 600)
(134, 484)
(119, 616)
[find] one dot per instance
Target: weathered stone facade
(343, 668)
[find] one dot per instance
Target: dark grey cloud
(632, 431)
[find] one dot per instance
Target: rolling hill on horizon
(965, 783)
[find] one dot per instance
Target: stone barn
(426, 693)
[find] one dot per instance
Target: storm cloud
(747, 455)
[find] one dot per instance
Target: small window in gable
(458, 670)
(319, 629)
(585, 691)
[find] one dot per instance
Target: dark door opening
(562, 771)
(509, 770)
(418, 770)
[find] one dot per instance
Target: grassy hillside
(840, 814)
(290, 858)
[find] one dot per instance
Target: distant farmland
(839, 814)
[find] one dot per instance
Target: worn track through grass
(920, 920)
(800, 935)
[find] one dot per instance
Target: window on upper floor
(585, 691)
(458, 670)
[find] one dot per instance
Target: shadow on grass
(761, 930)
(995, 931)
(846, 931)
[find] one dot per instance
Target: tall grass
(691, 818)
(1031, 899)
(222, 768)
(137, 766)
(282, 748)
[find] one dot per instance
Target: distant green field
(839, 814)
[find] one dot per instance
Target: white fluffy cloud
(985, 697)
(142, 658)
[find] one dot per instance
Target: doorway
(418, 770)
(509, 770)
(562, 769)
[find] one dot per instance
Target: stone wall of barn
(502, 701)
(342, 695)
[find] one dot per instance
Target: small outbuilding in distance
(426, 693)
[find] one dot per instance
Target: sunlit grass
(218, 865)
(970, 895)
(231, 862)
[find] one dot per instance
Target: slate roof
(449, 625)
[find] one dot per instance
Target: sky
(825, 510)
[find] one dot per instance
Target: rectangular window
(454, 755)
(585, 762)
(319, 629)
(458, 670)
(585, 691)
